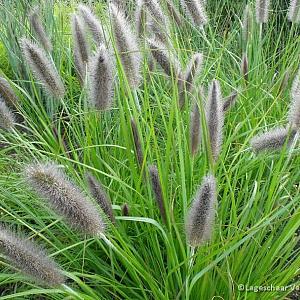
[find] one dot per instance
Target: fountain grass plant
(254, 238)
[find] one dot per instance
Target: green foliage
(254, 241)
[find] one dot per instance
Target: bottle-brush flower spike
(166, 60)
(43, 69)
(30, 259)
(186, 83)
(137, 142)
(81, 47)
(294, 11)
(157, 189)
(38, 27)
(8, 93)
(201, 216)
(272, 140)
(262, 9)
(195, 132)
(92, 23)
(64, 197)
(215, 118)
(230, 101)
(101, 79)
(101, 197)
(195, 9)
(7, 118)
(127, 47)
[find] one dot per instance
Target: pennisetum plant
(294, 112)
(92, 23)
(296, 86)
(8, 93)
(200, 219)
(157, 190)
(39, 29)
(245, 67)
(30, 259)
(137, 142)
(168, 62)
(158, 22)
(7, 118)
(125, 210)
(273, 140)
(173, 13)
(43, 68)
(186, 82)
(81, 47)
(101, 197)
(276, 138)
(246, 25)
(141, 19)
(127, 47)
(294, 11)
(64, 197)
(230, 101)
(101, 80)
(215, 118)
(196, 11)
(262, 8)
(195, 129)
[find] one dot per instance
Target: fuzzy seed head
(230, 101)
(157, 20)
(64, 197)
(155, 11)
(247, 23)
(125, 210)
(215, 118)
(80, 43)
(193, 69)
(101, 197)
(39, 29)
(168, 62)
(284, 82)
(196, 11)
(201, 216)
(157, 189)
(43, 69)
(294, 11)
(245, 67)
(127, 47)
(173, 13)
(7, 118)
(92, 23)
(296, 85)
(195, 129)
(186, 83)
(294, 112)
(30, 259)
(81, 48)
(7, 93)
(101, 75)
(262, 11)
(141, 19)
(137, 142)
(273, 140)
